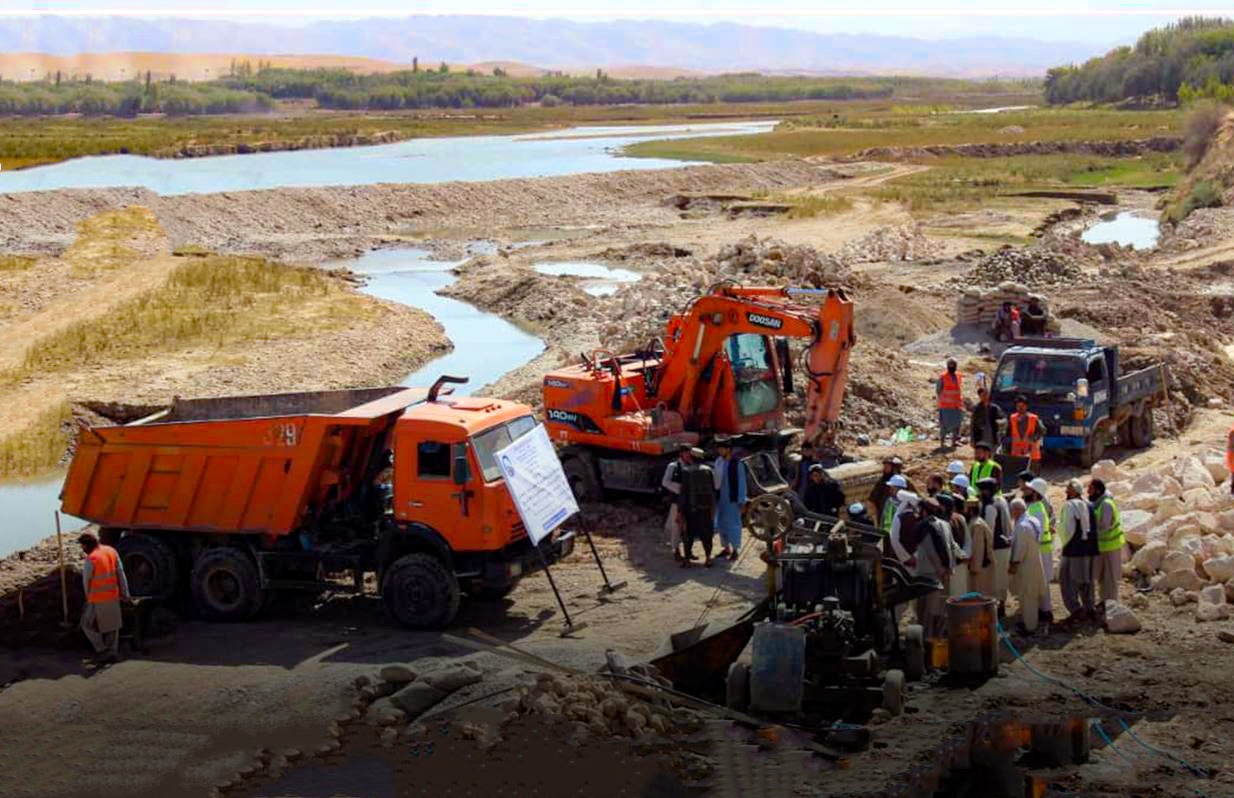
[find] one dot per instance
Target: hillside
(548, 43)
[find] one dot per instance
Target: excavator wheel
(768, 517)
(580, 471)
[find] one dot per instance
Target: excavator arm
(697, 337)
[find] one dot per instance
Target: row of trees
(1187, 60)
(126, 99)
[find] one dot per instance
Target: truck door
(431, 492)
(1098, 388)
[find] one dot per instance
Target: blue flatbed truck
(1077, 388)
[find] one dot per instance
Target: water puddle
(29, 507)
(1125, 229)
(598, 279)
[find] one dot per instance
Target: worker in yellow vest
(103, 579)
(1039, 508)
(1108, 565)
(950, 404)
(984, 467)
(1025, 432)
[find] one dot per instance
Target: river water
(1124, 228)
(423, 160)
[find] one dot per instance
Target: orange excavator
(723, 368)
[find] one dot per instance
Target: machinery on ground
(233, 499)
(825, 642)
(1081, 395)
(723, 368)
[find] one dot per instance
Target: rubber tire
(737, 687)
(226, 560)
(914, 652)
(1094, 451)
(426, 575)
(1142, 429)
(150, 565)
(581, 475)
(893, 692)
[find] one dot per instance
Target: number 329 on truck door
(285, 434)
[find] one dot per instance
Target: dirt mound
(905, 242)
(1109, 149)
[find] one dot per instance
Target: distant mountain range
(550, 43)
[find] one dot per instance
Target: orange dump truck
(230, 500)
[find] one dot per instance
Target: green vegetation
(1203, 194)
(845, 130)
(130, 98)
(206, 302)
(1189, 60)
(808, 206)
(962, 183)
(39, 446)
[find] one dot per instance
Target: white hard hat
(897, 481)
(960, 481)
(955, 467)
(1039, 486)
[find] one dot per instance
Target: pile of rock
(1036, 267)
(1202, 226)
(1179, 521)
(591, 706)
(980, 307)
(782, 264)
(398, 694)
(902, 243)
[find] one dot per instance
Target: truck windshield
(489, 442)
(1037, 374)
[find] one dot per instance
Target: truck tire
(580, 470)
(1142, 429)
(893, 692)
(150, 565)
(737, 687)
(420, 592)
(225, 585)
(1095, 449)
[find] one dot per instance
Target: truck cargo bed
(251, 464)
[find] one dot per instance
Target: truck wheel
(737, 687)
(1094, 451)
(150, 565)
(1142, 429)
(893, 692)
(420, 592)
(914, 652)
(581, 474)
(225, 585)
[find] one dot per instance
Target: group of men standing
(964, 532)
(708, 499)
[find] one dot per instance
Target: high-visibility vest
(950, 397)
(889, 514)
(1112, 539)
(104, 575)
(1038, 510)
(982, 470)
(1229, 451)
(1022, 444)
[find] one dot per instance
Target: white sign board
(534, 478)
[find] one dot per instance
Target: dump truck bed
(265, 465)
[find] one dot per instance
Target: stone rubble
(1036, 267)
(903, 243)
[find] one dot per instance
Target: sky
(1095, 21)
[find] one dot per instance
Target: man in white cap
(1039, 508)
(1075, 531)
(961, 487)
(1025, 568)
(887, 513)
(904, 523)
(956, 467)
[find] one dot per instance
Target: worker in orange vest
(102, 576)
(1025, 433)
(950, 404)
(1229, 456)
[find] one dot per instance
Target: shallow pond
(1125, 228)
(599, 279)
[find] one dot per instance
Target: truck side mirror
(462, 469)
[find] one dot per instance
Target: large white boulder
(1182, 534)
(1108, 472)
(1193, 546)
(1225, 520)
(1136, 524)
(1187, 580)
(1158, 534)
(1171, 487)
(1220, 569)
(1214, 461)
(1213, 594)
(1148, 559)
(1141, 501)
(1199, 499)
(1208, 521)
(1120, 620)
(1190, 471)
(1224, 544)
(1207, 611)
(1148, 482)
(1120, 488)
(1167, 508)
(1177, 561)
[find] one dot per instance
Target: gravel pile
(1038, 267)
(902, 243)
(1201, 226)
